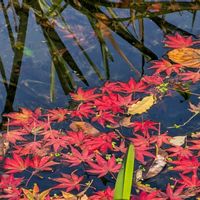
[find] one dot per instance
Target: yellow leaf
(68, 196)
(142, 106)
(187, 57)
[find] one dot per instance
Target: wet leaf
(178, 140)
(193, 108)
(4, 145)
(187, 57)
(152, 168)
(85, 127)
(68, 196)
(142, 106)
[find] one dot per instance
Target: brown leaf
(152, 168)
(85, 127)
(188, 57)
(4, 145)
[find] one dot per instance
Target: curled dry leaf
(188, 57)
(142, 106)
(4, 145)
(152, 168)
(177, 140)
(85, 127)
(193, 108)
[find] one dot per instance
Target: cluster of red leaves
(37, 146)
(177, 41)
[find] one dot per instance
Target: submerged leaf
(142, 106)
(87, 128)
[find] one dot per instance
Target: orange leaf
(188, 57)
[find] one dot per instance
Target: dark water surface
(48, 50)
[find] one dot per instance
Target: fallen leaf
(188, 57)
(152, 168)
(142, 106)
(68, 196)
(4, 145)
(85, 127)
(177, 140)
(193, 108)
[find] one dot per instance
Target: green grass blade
(124, 181)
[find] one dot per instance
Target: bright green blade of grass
(124, 180)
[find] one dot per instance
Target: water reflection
(50, 48)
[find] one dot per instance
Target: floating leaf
(142, 106)
(4, 145)
(178, 140)
(187, 57)
(193, 108)
(152, 168)
(68, 196)
(85, 127)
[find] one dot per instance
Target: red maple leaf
(106, 194)
(132, 86)
(83, 110)
(153, 80)
(140, 140)
(108, 103)
(69, 182)
(174, 194)
(141, 151)
(28, 148)
(76, 158)
(103, 117)
(191, 76)
(76, 138)
(11, 194)
(56, 143)
(110, 87)
(25, 116)
(9, 181)
(16, 164)
(102, 142)
(148, 196)
(196, 145)
(102, 167)
(179, 152)
(144, 127)
(58, 114)
(179, 41)
(160, 139)
(190, 182)
(186, 165)
(42, 163)
(165, 66)
(85, 96)
(50, 134)
(122, 148)
(15, 135)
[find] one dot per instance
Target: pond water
(42, 58)
(50, 50)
